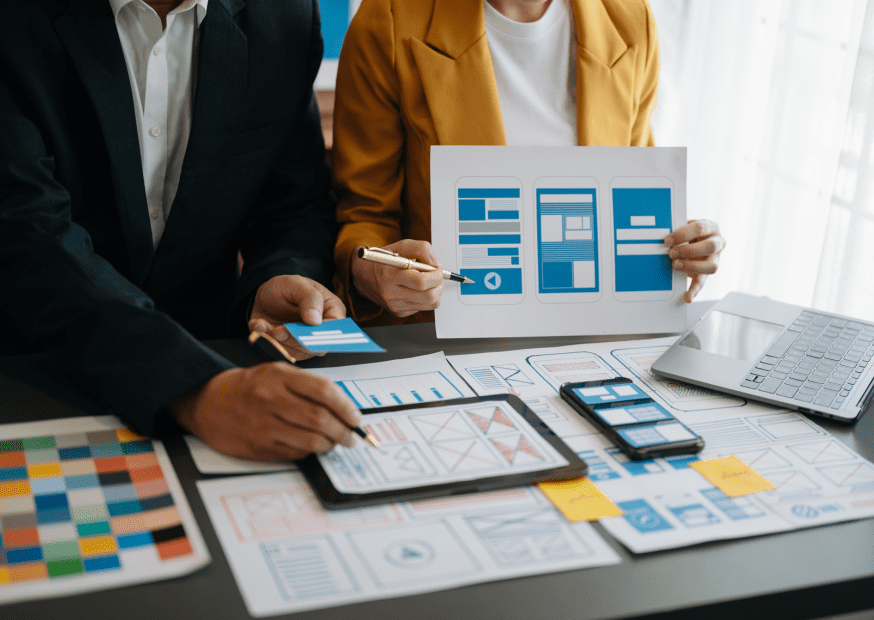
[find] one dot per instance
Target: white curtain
(775, 101)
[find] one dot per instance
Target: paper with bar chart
(558, 240)
(289, 554)
(425, 378)
(86, 504)
(667, 504)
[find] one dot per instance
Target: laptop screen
(731, 335)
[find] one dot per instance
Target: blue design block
(56, 515)
(557, 275)
(643, 517)
(471, 210)
(51, 502)
(492, 282)
(644, 273)
(137, 447)
(13, 473)
(82, 481)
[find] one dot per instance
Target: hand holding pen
(272, 350)
(406, 279)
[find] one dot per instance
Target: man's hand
(270, 412)
(700, 257)
(293, 299)
(400, 291)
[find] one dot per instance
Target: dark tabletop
(802, 574)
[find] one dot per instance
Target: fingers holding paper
(269, 412)
(695, 249)
(293, 299)
(400, 291)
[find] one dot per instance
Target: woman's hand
(400, 291)
(700, 256)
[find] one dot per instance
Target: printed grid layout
(74, 504)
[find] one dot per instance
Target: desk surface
(803, 574)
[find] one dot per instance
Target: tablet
(441, 448)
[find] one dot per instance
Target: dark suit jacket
(79, 277)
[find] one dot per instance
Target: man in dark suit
(143, 143)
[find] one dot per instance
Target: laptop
(815, 362)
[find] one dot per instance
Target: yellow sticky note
(579, 499)
(732, 476)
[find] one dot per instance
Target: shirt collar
(118, 5)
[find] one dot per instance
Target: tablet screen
(440, 445)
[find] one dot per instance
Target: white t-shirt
(535, 70)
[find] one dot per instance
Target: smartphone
(643, 216)
(568, 263)
(641, 428)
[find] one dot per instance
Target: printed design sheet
(440, 445)
(288, 554)
(551, 252)
(397, 382)
(85, 504)
(667, 504)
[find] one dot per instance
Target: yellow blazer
(414, 73)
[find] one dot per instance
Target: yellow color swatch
(19, 487)
(126, 434)
(93, 546)
(44, 470)
(579, 499)
(4, 575)
(732, 476)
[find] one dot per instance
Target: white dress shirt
(535, 71)
(160, 67)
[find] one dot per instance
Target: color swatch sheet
(667, 504)
(288, 554)
(85, 504)
(425, 378)
(441, 445)
(558, 240)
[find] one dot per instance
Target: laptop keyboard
(818, 360)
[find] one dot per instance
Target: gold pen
(384, 257)
(267, 346)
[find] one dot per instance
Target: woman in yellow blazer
(414, 73)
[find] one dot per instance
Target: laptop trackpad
(730, 335)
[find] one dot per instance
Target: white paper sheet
(419, 447)
(108, 511)
(406, 381)
(288, 554)
(559, 240)
(667, 504)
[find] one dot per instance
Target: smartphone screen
(655, 434)
(638, 424)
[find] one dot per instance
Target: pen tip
(468, 281)
(370, 439)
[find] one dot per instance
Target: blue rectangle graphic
(567, 240)
(488, 192)
(503, 252)
(641, 215)
(489, 239)
(471, 210)
(503, 215)
(492, 282)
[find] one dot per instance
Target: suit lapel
(88, 32)
(605, 78)
(455, 68)
(222, 61)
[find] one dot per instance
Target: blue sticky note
(340, 336)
